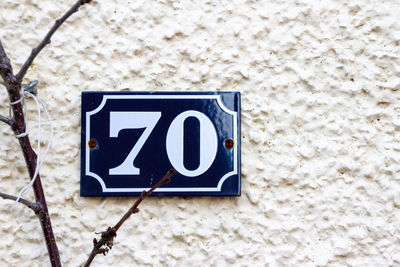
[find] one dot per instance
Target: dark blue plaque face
(131, 139)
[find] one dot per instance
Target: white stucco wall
(320, 84)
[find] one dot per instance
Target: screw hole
(92, 143)
(229, 143)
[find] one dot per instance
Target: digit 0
(208, 143)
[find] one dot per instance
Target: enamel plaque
(131, 139)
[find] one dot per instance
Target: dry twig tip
(104, 245)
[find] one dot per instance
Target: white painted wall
(320, 84)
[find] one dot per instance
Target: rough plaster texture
(320, 83)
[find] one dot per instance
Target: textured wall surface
(320, 84)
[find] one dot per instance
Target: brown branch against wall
(33, 206)
(107, 237)
(6, 120)
(18, 124)
(47, 39)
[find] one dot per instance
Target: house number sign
(130, 139)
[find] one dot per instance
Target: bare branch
(5, 64)
(33, 206)
(13, 86)
(106, 242)
(6, 71)
(47, 38)
(6, 120)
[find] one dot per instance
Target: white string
(39, 161)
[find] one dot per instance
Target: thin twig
(106, 242)
(33, 206)
(6, 120)
(47, 38)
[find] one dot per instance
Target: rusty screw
(92, 143)
(229, 143)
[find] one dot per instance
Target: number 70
(174, 139)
